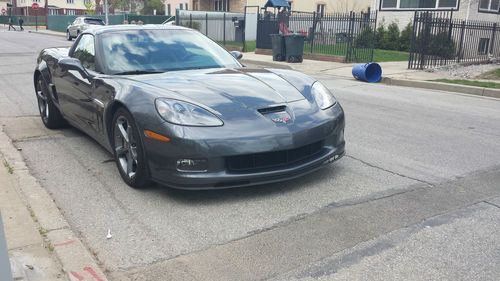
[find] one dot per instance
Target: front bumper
(216, 145)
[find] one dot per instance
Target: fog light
(192, 165)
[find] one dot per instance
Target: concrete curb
(464, 89)
(266, 64)
(74, 257)
(47, 33)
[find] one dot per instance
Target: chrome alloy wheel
(125, 146)
(43, 104)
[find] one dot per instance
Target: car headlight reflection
(186, 114)
(323, 96)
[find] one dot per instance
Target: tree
(123, 5)
(89, 7)
(405, 39)
(391, 37)
(379, 36)
(151, 5)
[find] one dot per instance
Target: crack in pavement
(389, 171)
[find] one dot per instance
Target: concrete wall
(331, 5)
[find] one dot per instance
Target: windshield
(94, 21)
(143, 51)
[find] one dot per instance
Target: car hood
(250, 88)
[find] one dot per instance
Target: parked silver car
(81, 24)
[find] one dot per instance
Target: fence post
(313, 31)
(374, 34)
(350, 35)
(224, 32)
(206, 24)
(413, 41)
(190, 20)
(461, 46)
(494, 31)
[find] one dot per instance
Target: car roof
(127, 27)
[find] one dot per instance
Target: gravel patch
(464, 72)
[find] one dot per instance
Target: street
(417, 196)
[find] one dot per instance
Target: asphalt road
(416, 197)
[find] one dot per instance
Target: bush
(405, 38)
(379, 36)
(365, 39)
(390, 41)
(442, 46)
(194, 25)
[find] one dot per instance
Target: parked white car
(81, 24)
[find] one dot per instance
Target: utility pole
(106, 11)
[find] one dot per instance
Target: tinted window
(162, 50)
(85, 51)
(94, 21)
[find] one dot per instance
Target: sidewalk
(32, 29)
(41, 245)
(30, 254)
(394, 70)
(394, 73)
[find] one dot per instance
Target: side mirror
(69, 63)
(237, 55)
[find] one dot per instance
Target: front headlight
(186, 114)
(322, 95)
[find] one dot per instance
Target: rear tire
(50, 114)
(128, 150)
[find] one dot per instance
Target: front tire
(50, 114)
(68, 36)
(128, 150)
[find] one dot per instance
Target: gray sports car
(176, 108)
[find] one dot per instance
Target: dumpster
(294, 46)
(278, 43)
(369, 72)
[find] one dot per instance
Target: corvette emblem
(283, 119)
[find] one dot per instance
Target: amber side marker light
(156, 136)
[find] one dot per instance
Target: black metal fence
(348, 35)
(225, 28)
(439, 39)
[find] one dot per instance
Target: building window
(187, 8)
(290, 3)
(489, 6)
(221, 5)
(418, 4)
(484, 43)
(320, 9)
(169, 10)
(181, 6)
(70, 1)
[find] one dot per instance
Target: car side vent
(274, 109)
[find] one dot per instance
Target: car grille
(275, 159)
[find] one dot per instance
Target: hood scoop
(274, 109)
(278, 114)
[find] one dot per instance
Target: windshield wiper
(131, 72)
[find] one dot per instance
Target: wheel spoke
(123, 131)
(130, 164)
(40, 95)
(121, 151)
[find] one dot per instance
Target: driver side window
(85, 51)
